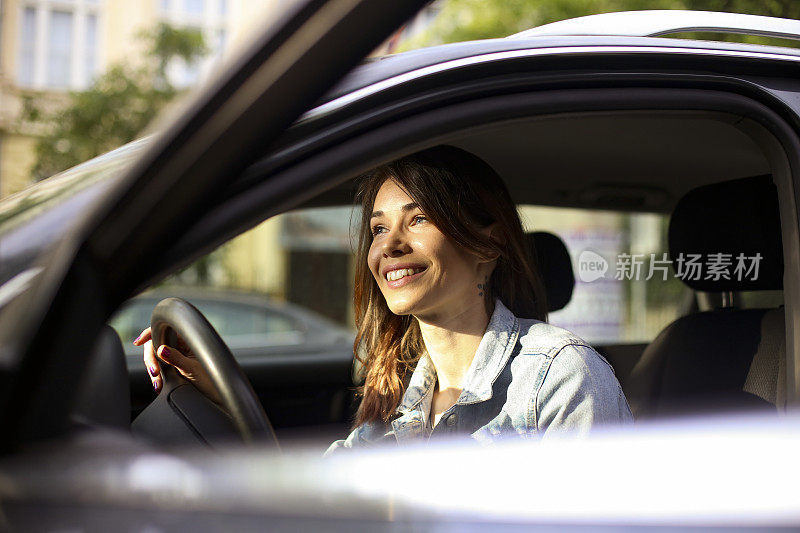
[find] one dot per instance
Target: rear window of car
(306, 257)
(625, 291)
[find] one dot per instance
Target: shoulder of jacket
(555, 343)
(537, 337)
(540, 338)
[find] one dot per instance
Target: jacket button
(451, 420)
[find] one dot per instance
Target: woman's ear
(495, 234)
(492, 231)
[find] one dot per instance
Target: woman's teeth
(394, 275)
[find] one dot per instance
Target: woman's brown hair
(461, 195)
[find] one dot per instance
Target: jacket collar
(493, 352)
(491, 357)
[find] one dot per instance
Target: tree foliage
(116, 108)
(465, 20)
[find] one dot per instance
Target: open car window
(286, 282)
(625, 290)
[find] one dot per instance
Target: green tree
(465, 20)
(116, 108)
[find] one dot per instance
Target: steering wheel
(174, 317)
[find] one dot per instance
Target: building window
(194, 7)
(211, 18)
(59, 42)
(90, 48)
(27, 46)
(59, 49)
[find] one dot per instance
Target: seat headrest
(555, 267)
(734, 227)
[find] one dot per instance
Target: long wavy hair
(461, 195)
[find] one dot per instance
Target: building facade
(51, 47)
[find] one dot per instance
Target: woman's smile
(399, 276)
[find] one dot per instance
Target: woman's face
(418, 269)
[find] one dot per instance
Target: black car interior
(710, 361)
(725, 358)
(104, 398)
(693, 149)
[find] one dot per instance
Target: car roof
(640, 28)
(383, 68)
(696, 150)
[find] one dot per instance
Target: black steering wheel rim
(237, 394)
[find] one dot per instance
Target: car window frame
(99, 263)
(335, 165)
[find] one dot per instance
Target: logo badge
(591, 266)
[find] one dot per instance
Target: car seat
(104, 398)
(555, 267)
(725, 358)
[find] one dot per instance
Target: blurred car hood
(701, 472)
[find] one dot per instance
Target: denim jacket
(527, 378)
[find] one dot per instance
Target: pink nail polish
(137, 339)
(165, 351)
(152, 370)
(157, 385)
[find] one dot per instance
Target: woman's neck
(451, 342)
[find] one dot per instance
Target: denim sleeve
(352, 440)
(365, 435)
(579, 392)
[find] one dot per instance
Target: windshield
(41, 214)
(36, 199)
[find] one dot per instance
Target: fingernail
(137, 339)
(165, 351)
(152, 370)
(157, 384)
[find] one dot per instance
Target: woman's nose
(396, 245)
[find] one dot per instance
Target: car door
(118, 245)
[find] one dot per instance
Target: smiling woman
(450, 313)
(451, 316)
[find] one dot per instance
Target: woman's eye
(419, 219)
(376, 230)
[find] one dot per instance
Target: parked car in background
(599, 116)
(252, 325)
